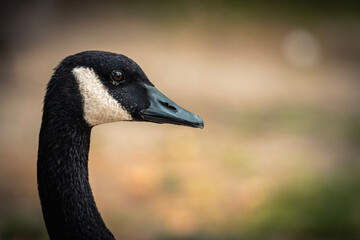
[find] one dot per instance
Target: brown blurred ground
(279, 95)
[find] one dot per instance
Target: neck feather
(67, 202)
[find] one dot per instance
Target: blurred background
(277, 84)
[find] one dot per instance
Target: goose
(88, 89)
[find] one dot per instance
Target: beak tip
(200, 123)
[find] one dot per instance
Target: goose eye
(117, 77)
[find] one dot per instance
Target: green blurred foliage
(325, 208)
(22, 226)
(262, 9)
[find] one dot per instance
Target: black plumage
(67, 202)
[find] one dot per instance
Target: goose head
(114, 88)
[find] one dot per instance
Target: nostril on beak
(168, 106)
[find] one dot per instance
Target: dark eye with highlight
(117, 77)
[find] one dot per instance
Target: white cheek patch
(99, 106)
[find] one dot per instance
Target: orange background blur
(277, 85)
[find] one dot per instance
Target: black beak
(163, 110)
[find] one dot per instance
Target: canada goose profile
(88, 89)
